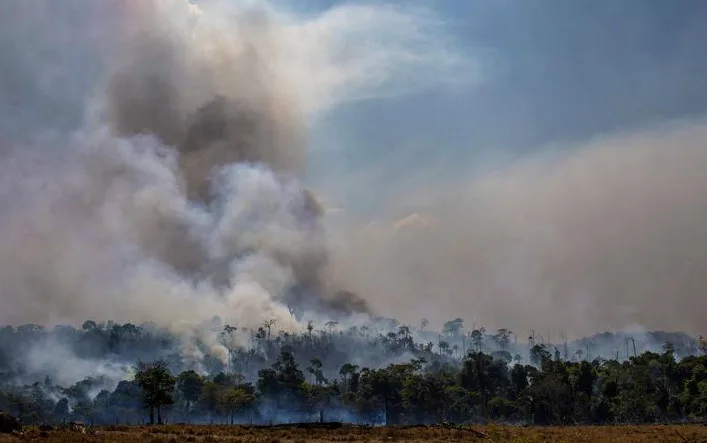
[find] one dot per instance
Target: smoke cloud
(602, 236)
(151, 165)
(152, 158)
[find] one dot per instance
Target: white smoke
(176, 196)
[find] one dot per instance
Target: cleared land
(292, 434)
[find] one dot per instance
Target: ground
(285, 434)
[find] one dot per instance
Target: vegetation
(293, 434)
(318, 376)
(157, 385)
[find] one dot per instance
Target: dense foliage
(317, 375)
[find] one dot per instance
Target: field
(293, 434)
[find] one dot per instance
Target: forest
(381, 373)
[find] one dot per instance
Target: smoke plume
(152, 162)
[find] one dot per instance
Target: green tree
(482, 374)
(284, 383)
(232, 400)
(190, 384)
(315, 369)
(347, 372)
(157, 385)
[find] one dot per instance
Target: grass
(247, 434)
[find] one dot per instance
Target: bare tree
(228, 342)
(268, 324)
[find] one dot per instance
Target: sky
(553, 73)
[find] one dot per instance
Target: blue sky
(555, 73)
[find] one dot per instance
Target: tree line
(319, 375)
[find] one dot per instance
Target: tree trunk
(386, 411)
(152, 415)
(159, 415)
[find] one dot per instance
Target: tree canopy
(399, 375)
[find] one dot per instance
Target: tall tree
(232, 400)
(157, 385)
(316, 370)
(190, 384)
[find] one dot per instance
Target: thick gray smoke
(217, 96)
(151, 168)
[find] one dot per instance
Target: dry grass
(246, 434)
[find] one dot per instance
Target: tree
(61, 410)
(519, 381)
(288, 373)
(190, 384)
(503, 337)
(233, 400)
(316, 370)
(482, 374)
(477, 338)
(539, 354)
(208, 400)
(115, 338)
(268, 324)
(347, 371)
(668, 348)
(317, 398)
(384, 387)
(453, 328)
(405, 338)
(130, 331)
(157, 385)
(229, 342)
(284, 382)
(444, 348)
(125, 399)
(424, 396)
(89, 325)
